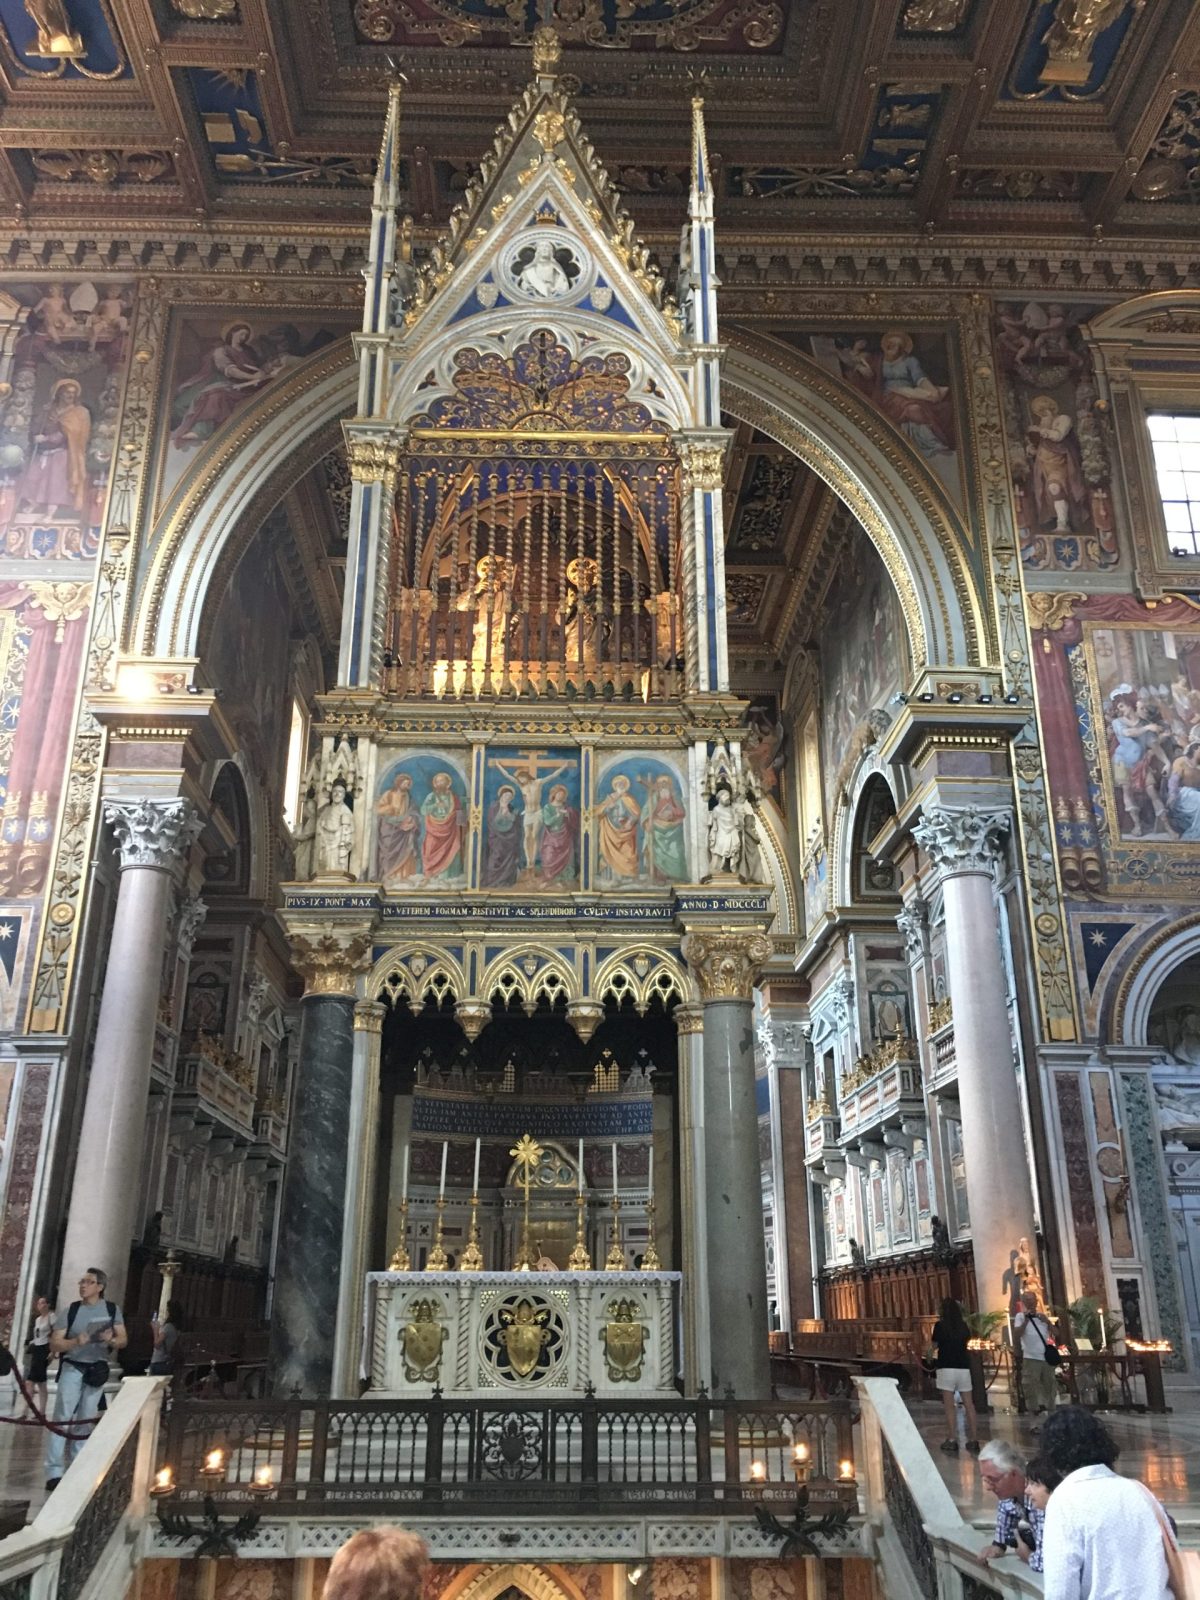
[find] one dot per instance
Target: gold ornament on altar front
(524, 1336)
(624, 1341)
(527, 1153)
(421, 1342)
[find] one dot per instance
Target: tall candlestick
(650, 1181)
(616, 1188)
(404, 1175)
(445, 1153)
(579, 1185)
(475, 1179)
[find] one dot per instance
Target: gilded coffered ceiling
(1001, 117)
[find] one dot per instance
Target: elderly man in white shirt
(1105, 1537)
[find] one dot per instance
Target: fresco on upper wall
(1058, 445)
(217, 365)
(531, 815)
(1119, 699)
(248, 658)
(863, 653)
(764, 745)
(421, 810)
(61, 384)
(907, 375)
(641, 823)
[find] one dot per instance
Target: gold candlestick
(472, 1256)
(650, 1261)
(579, 1260)
(400, 1261)
(614, 1261)
(437, 1261)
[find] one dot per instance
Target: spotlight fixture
(899, 698)
(985, 699)
(1012, 699)
(925, 698)
(955, 699)
(1179, 553)
(194, 688)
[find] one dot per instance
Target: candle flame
(758, 1471)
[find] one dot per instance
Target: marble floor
(1163, 1451)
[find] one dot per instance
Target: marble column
(153, 838)
(689, 1025)
(308, 1258)
(360, 1190)
(726, 962)
(963, 844)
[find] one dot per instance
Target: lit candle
(801, 1453)
(1101, 1315)
(758, 1471)
(404, 1174)
(445, 1153)
(580, 1189)
(616, 1184)
(475, 1179)
(846, 1471)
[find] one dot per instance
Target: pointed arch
(486, 1582)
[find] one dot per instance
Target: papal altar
(490, 1333)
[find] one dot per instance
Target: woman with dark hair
(1105, 1537)
(1041, 1480)
(953, 1368)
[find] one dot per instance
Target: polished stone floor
(1163, 1451)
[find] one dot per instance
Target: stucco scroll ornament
(727, 961)
(153, 833)
(963, 839)
(328, 961)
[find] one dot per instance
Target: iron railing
(452, 1454)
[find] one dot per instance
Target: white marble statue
(335, 834)
(724, 833)
(543, 276)
(1177, 1107)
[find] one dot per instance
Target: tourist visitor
(378, 1564)
(1039, 1378)
(167, 1348)
(1041, 1480)
(953, 1374)
(1105, 1537)
(85, 1335)
(1003, 1472)
(37, 1353)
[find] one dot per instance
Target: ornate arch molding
(260, 831)
(228, 494)
(1164, 317)
(844, 832)
(1163, 951)
(904, 512)
(539, 1583)
(529, 973)
(414, 973)
(640, 973)
(231, 490)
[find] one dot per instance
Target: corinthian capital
(703, 465)
(962, 839)
(329, 960)
(727, 961)
(913, 921)
(192, 912)
(153, 833)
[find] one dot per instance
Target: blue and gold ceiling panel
(51, 40)
(720, 26)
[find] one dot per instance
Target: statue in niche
(857, 1259)
(542, 277)
(734, 842)
(1026, 1271)
(305, 837)
(334, 841)
(580, 618)
(944, 1253)
(724, 833)
(491, 600)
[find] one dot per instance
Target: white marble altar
(490, 1333)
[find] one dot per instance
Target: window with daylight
(294, 781)
(1176, 441)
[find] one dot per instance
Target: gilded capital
(688, 1019)
(703, 465)
(368, 1016)
(727, 961)
(329, 961)
(153, 833)
(962, 839)
(372, 459)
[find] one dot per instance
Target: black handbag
(1051, 1351)
(95, 1373)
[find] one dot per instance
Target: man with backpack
(1038, 1379)
(85, 1335)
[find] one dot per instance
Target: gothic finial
(547, 50)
